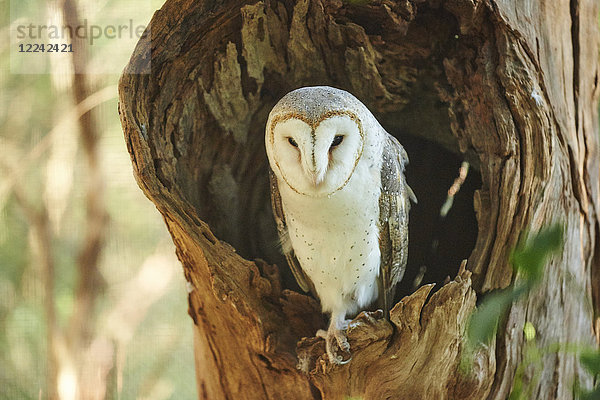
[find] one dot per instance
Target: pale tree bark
(512, 86)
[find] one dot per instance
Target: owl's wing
(303, 281)
(394, 204)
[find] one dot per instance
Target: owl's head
(315, 137)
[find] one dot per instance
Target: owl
(340, 201)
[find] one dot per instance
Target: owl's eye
(292, 142)
(337, 140)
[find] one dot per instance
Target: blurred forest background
(92, 298)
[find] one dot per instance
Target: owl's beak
(316, 177)
(314, 171)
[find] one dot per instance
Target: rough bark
(512, 86)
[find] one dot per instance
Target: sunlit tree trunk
(510, 85)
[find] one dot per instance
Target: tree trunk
(512, 86)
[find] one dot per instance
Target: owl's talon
(335, 338)
(342, 341)
(345, 324)
(341, 361)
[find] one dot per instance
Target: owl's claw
(342, 340)
(335, 338)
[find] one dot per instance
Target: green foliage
(528, 260)
(532, 356)
(482, 325)
(592, 395)
(590, 359)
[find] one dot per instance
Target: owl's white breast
(335, 239)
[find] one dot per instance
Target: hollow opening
(437, 244)
(232, 194)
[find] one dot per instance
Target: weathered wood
(419, 361)
(510, 85)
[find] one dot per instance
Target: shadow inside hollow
(438, 244)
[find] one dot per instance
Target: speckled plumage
(341, 209)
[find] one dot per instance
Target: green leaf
(517, 391)
(530, 256)
(593, 395)
(529, 331)
(482, 324)
(590, 359)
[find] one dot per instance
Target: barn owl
(340, 201)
